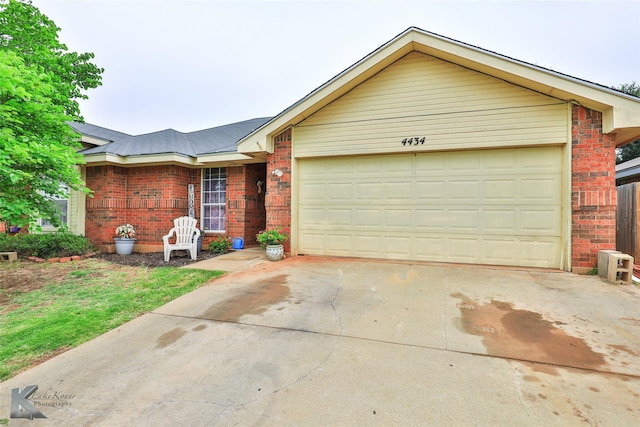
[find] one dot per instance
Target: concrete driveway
(319, 341)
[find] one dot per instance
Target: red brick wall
(593, 189)
(246, 213)
(278, 197)
(149, 198)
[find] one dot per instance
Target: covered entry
(499, 206)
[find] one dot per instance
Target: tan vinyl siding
(420, 96)
(76, 209)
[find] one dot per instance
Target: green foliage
(84, 306)
(220, 245)
(631, 150)
(46, 245)
(271, 237)
(40, 84)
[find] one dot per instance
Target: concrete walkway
(314, 341)
(232, 261)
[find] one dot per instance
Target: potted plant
(125, 239)
(272, 240)
(200, 237)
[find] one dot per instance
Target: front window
(62, 203)
(214, 199)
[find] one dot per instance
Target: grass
(81, 304)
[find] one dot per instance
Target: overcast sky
(191, 65)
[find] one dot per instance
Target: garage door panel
(400, 219)
(368, 191)
(400, 191)
(312, 216)
(466, 191)
(368, 217)
(367, 246)
(312, 192)
(535, 190)
(339, 217)
(499, 251)
(488, 207)
(339, 243)
(540, 221)
(539, 252)
(313, 242)
(463, 249)
(500, 190)
(500, 221)
(429, 220)
(430, 248)
(430, 190)
(337, 192)
(397, 247)
(463, 220)
(433, 165)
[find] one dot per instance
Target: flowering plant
(271, 237)
(125, 231)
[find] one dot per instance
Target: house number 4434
(416, 140)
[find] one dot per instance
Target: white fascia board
(140, 160)
(227, 158)
(93, 140)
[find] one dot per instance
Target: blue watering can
(238, 243)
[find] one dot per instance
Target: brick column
(593, 189)
(278, 197)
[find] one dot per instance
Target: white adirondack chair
(187, 235)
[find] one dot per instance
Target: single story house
(427, 149)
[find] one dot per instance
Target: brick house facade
(151, 197)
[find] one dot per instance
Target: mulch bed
(154, 259)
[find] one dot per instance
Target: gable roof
(621, 112)
(97, 135)
(217, 144)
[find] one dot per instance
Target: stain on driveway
(524, 335)
(255, 299)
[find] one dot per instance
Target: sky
(191, 65)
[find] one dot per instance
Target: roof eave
(100, 159)
(228, 159)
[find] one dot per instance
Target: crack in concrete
(335, 344)
(517, 376)
(445, 297)
(338, 337)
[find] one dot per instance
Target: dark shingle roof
(221, 139)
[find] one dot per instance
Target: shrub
(219, 245)
(46, 245)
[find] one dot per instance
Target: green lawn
(77, 302)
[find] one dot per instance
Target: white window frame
(213, 175)
(61, 201)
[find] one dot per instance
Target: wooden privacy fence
(627, 217)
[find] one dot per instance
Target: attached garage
(430, 149)
(474, 184)
(499, 207)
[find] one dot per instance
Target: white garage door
(499, 207)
